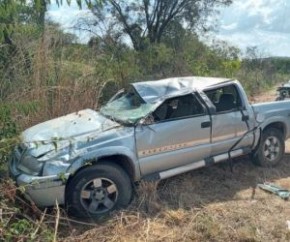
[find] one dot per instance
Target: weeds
(154, 215)
(198, 206)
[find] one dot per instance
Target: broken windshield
(127, 107)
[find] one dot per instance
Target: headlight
(30, 165)
(55, 167)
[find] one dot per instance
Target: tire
(271, 149)
(97, 190)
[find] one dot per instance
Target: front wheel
(97, 190)
(271, 148)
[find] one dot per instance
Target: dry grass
(210, 204)
(54, 84)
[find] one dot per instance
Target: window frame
(239, 100)
(194, 96)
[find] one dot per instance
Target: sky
(262, 23)
(246, 23)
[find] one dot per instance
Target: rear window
(225, 99)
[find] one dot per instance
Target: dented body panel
(153, 146)
(74, 140)
(275, 112)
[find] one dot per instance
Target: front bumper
(42, 190)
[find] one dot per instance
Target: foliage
(260, 73)
(17, 16)
(146, 20)
(281, 65)
(20, 221)
(8, 130)
(8, 127)
(45, 73)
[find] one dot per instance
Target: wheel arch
(277, 125)
(121, 160)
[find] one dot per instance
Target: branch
(56, 222)
(173, 12)
(146, 9)
(123, 20)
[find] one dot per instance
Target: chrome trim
(225, 156)
(182, 169)
(220, 158)
(236, 153)
(199, 164)
(25, 179)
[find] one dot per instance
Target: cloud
(68, 16)
(269, 44)
(229, 27)
(263, 23)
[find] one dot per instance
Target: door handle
(206, 124)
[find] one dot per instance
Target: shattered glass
(127, 107)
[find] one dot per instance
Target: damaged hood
(62, 131)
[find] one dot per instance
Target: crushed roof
(154, 91)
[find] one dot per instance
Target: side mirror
(147, 120)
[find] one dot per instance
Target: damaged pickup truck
(152, 130)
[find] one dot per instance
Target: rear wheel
(97, 190)
(271, 148)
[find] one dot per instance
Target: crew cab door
(179, 135)
(230, 122)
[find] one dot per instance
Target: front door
(179, 135)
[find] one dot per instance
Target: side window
(178, 107)
(225, 98)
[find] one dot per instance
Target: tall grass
(46, 78)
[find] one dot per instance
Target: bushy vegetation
(45, 73)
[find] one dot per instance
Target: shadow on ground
(218, 184)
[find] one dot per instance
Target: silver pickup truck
(152, 130)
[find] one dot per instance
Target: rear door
(230, 122)
(179, 135)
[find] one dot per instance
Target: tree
(21, 14)
(150, 19)
(258, 69)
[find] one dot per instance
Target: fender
(103, 152)
(278, 119)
